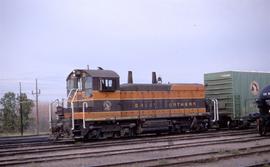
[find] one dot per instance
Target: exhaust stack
(130, 78)
(154, 78)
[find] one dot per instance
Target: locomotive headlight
(73, 73)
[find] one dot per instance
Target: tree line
(10, 118)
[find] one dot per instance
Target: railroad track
(193, 159)
(14, 142)
(23, 139)
(62, 147)
(34, 140)
(167, 145)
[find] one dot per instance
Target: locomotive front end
(79, 99)
(84, 87)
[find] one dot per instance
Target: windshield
(72, 84)
(88, 86)
(84, 84)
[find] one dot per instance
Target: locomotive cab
(263, 103)
(88, 81)
(80, 81)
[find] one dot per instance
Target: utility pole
(37, 93)
(21, 113)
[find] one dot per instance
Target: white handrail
(65, 101)
(84, 104)
(72, 109)
(72, 116)
(50, 112)
(216, 111)
(70, 92)
(214, 120)
(217, 114)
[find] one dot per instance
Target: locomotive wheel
(95, 134)
(203, 127)
(127, 132)
(116, 135)
(132, 132)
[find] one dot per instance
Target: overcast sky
(179, 39)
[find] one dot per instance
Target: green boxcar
(235, 91)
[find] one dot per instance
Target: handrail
(84, 104)
(214, 120)
(217, 114)
(50, 112)
(70, 93)
(72, 109)
(216, 111)
(65, 101)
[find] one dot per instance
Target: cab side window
(88, 86)
(107, 84)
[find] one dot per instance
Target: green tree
(27, 105)
(9, 116)
(11, 119)
(1, 119)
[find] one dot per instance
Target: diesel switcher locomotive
(99, 107)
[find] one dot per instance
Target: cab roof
(95, 73)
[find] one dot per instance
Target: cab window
(107, 84)
(82, 84)
(88, 86)
(72, 84)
